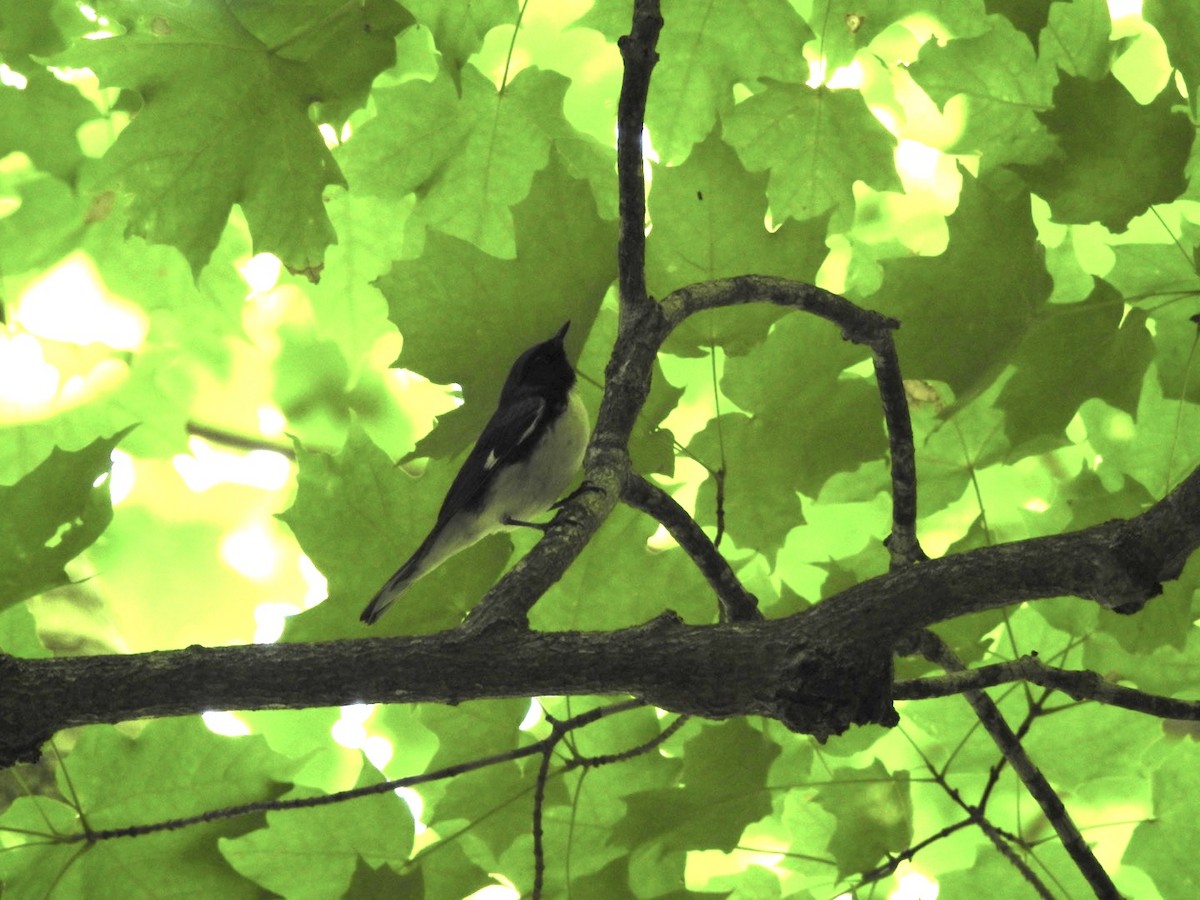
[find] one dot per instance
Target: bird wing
(507, 432)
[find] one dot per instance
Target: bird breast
(532, 486)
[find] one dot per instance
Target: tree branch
(737, 604)
(640, 333)
(1081, 685)
(936, 650)
(639, 56)
(383, 787)
(817, 671)
(858, 325)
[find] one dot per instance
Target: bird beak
(562, 332)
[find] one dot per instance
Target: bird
(525, 458)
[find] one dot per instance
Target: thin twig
(936, 650)
(1079, 684)
(579, 761)
(539, 801)
(559, 732)
(239, 441)
(383, 787)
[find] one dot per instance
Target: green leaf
(493, 802)
(419, 128)
(1076, 38)
(816, 143)
(471, 158)
(723, 790)
(313, 853)
(593, 800)
(703, 54)
(18, 634)
(953, 445)
(1165, 621)
(179, 769)
(343, 48)
(361, 492)
(809, 421)
(759, 503)
(1162, 280)
(466, 315)
(41, 119)
(458, 29)
(1179, 26)
(35, 28)
(1001, 83)
(1028, 16)
(46, 225)
(843, 27)
(37, 866)
(51, 516)
(1083, 743)
(1158, 452)
(1137, 156)
(617, 581)
(1071, 353)
(991, 231)
(708, 217)
(874, 814)
(189, 155)
(1168, 852)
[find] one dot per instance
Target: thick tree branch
(818, 671)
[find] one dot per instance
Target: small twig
(895, 859)
(1005, 849)
(1000, 838)
(590, 762)
(238, 440)
(230, 812)
(936, 650)
(1079, 684)
(539, 801)
(559, 732)
(719, 474)
(737, 604)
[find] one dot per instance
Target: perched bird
(525, 458)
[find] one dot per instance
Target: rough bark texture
(818, 671)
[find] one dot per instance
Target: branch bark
(818, 671)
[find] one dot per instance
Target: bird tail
(397, 584)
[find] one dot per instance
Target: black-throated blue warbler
(526, 457)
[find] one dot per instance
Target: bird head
(543, 369)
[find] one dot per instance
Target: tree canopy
(885, 314)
